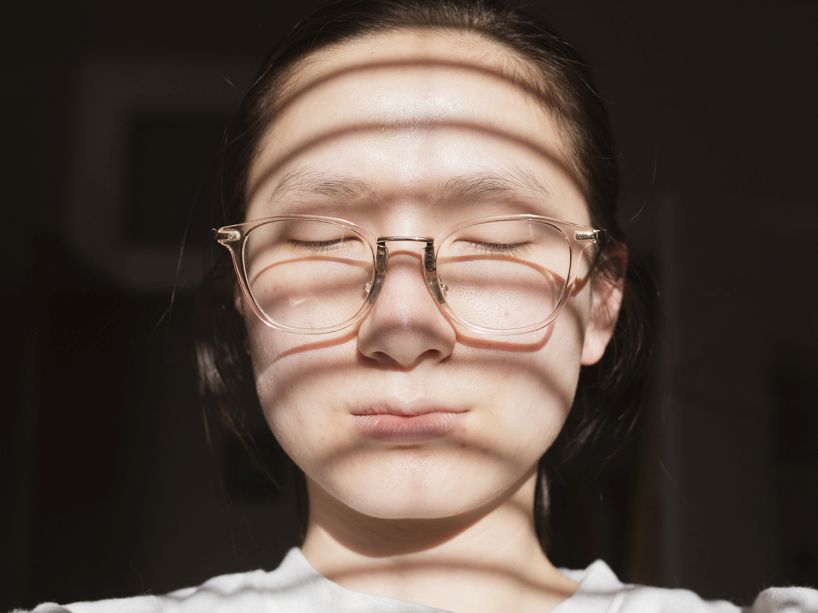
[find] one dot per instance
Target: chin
(400, 488)
(433, 505)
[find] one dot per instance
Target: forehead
(407, 112)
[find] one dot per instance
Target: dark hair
(605, 409)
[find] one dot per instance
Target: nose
(404, 325)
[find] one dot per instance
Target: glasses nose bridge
(382, 251)
(429, 268)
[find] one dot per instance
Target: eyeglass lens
(500, 275)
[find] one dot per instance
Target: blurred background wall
(113, 114)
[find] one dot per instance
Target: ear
(607, 289)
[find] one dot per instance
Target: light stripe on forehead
(478, 186)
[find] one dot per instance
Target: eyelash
(319, 246)
(334, 244)
(500, 248)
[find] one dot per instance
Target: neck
(487, 560)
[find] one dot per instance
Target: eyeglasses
(502, 275)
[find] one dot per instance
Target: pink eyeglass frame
(578, 238)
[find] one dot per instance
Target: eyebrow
(489, 185)
(333, 186)
(475, 187)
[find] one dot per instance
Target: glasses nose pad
(371, 289)
(437, 288)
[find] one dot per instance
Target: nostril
(405, 361)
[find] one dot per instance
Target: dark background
(112, 118)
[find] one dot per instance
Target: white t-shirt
(296, 586)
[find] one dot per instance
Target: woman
(426, 255)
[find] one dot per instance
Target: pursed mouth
(409, 423)
(406, 411)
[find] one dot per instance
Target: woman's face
(409, 133)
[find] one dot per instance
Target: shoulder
(237, 592)
(789, 599)
(600, 589)
(293, 586)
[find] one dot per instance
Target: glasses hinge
(590, 235)
(226, 236)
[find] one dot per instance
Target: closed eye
(500, 248)
(320, 246)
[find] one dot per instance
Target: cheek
(291, 412)
(536, 391)
(275, 382)
(298, 381)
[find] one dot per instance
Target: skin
(449, 522)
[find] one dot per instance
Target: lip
(408, 423)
